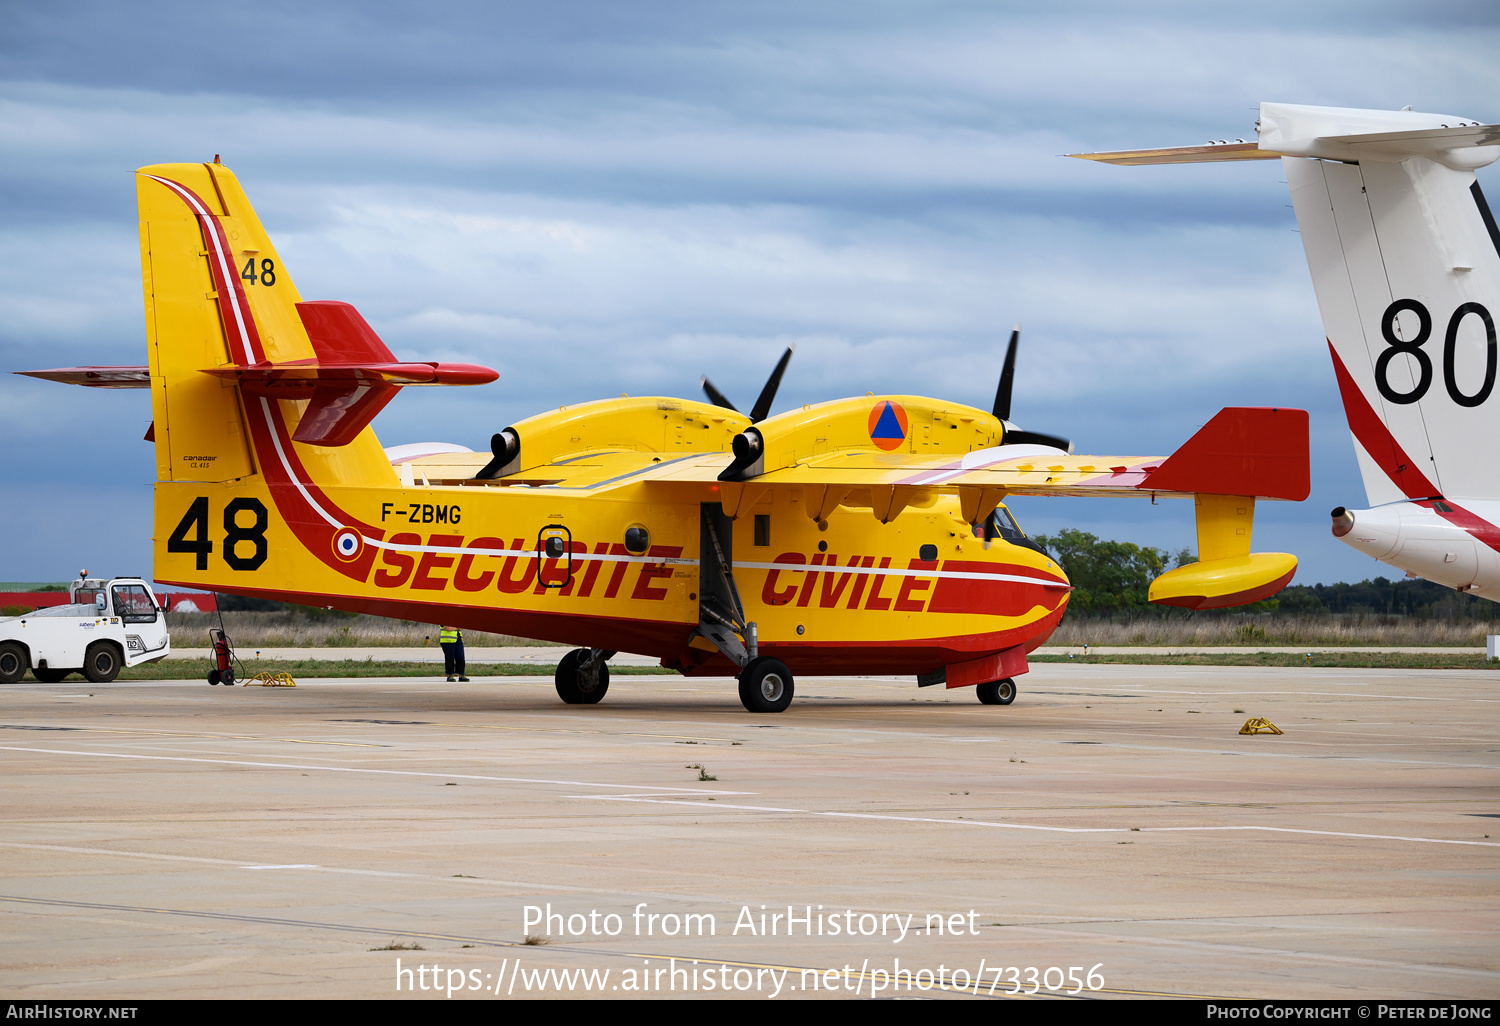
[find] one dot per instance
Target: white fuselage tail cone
(1405, 259)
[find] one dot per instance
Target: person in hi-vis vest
(452, 640)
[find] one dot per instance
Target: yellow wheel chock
(1260, 725)
(267, 679)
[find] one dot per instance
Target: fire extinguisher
(223, 668)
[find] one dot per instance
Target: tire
(997, 692)
(213, 676)
(51, 675)
(101, 662)
(12, 662)
(766, 686)
(574, 686)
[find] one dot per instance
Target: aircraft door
(554, 556)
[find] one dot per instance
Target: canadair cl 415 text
(1405, 259)
(857, 536)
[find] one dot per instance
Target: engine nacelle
(1428, 538)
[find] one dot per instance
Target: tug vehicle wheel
(766, 686)
(997, 692)
(576, 686)
(50, 674)
(101, 662)
(12, 662)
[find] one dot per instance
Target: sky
(596, 198)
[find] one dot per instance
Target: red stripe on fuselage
(305, 507)
(1471, 522)
(1376, 438)
(1383, 448)
(998, 597)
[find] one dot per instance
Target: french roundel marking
(888, 425)
(347, 544)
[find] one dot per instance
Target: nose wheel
(766, 685)
(997, 692)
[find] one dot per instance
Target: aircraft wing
(1259, 452)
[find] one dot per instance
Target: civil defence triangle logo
(887, 425)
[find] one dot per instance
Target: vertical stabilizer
(218, 300)
(199, 424)
(1405, 260)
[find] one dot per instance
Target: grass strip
(1350, 660)
(197, 669)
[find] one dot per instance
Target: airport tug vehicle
(859, 536)
(106, 625)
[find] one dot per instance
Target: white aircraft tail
(1405, 259)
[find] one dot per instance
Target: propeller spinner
(762, 408)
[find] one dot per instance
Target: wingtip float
(857, 536)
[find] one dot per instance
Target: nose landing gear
(766, 685)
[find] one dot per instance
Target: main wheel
(101, 662)
(766, 685)
(12, 662)
(213, 676)
(997, 692)
(50, 674)
(577, 686)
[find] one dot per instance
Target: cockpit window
(1006, 524)
(1002, 525)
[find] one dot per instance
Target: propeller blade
(715, 396)
(1007, 376)
(987, 530)
(1019, 437)
(762, 408)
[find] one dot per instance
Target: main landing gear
(583, 676)
(997, 692)
(766, 685)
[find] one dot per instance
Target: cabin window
(762, 528)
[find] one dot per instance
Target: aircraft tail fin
(236, 356)
(1405, 259)
(261, 402)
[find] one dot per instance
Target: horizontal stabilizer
(96, 377)
(1245, 450)
(1207, 154)
(1334, 133)
(292, 379)
(352, 378)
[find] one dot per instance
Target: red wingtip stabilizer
(1244, 450)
